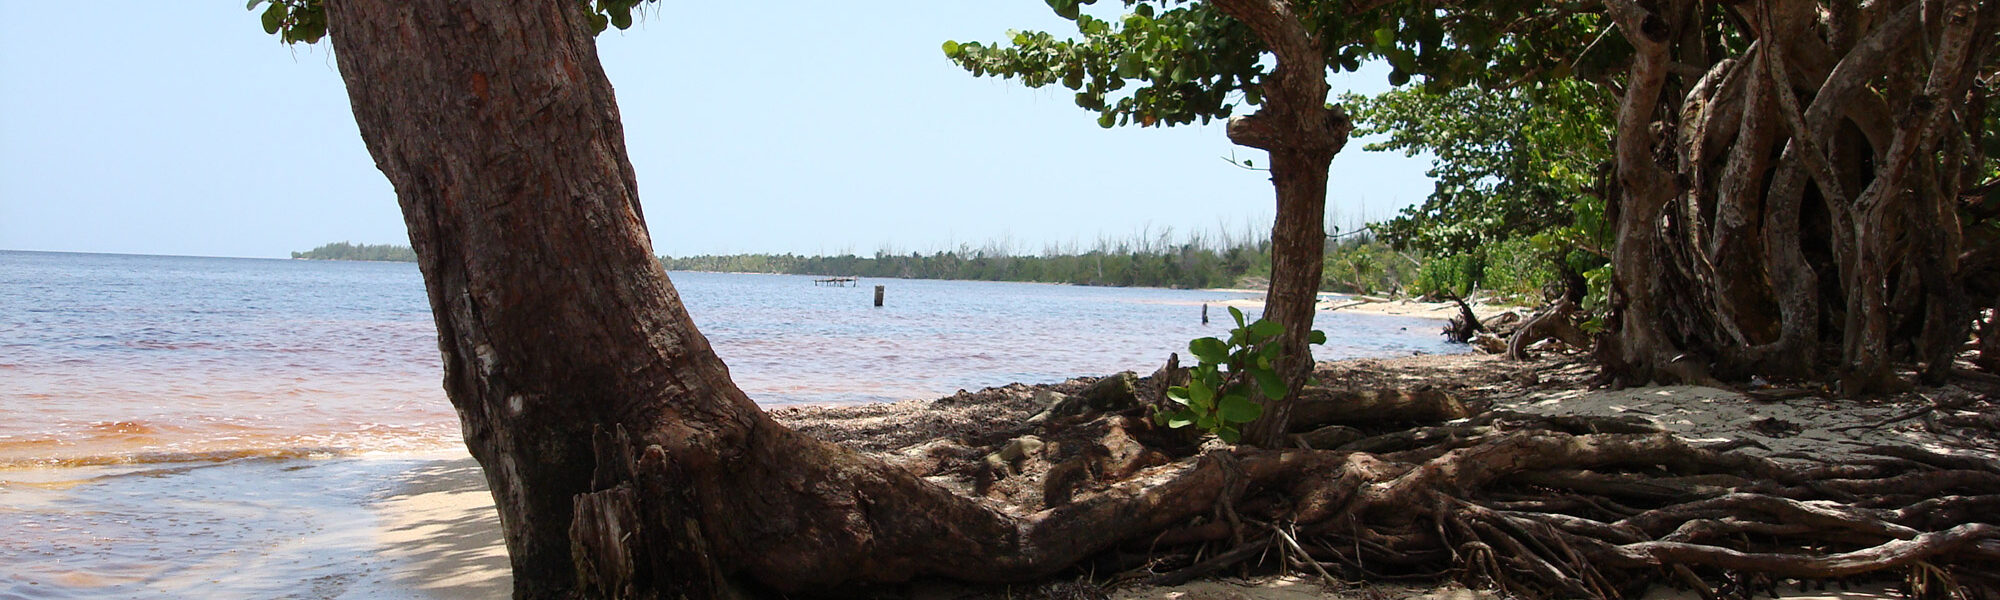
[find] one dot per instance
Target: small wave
(167, 458)
(121, 427)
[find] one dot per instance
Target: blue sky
(808, 127)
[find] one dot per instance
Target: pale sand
(1796, 428)
(441, 533)
(1412, 308)
(1371, 305)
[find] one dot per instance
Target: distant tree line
(1355, 264)
(1155, 261)
(353, 251)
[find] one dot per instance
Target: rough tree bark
(1781, 215)
(1302, 135)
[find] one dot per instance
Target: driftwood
(1554, 323)
(1460, 328)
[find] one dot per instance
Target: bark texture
(1302, 135)
(1791, 210)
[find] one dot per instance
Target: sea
(215, 427)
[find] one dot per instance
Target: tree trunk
(1298, 253)
(1303, 135)
(500, 134)
(1724, 266)
(622, 459)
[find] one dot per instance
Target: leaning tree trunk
(622, 459)
(1302, 134)
(501, 136)
(1781, 214)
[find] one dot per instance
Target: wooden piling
(878, 295)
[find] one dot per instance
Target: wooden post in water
(1204, 313)
(878, 295)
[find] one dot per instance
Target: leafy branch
(1218, 398)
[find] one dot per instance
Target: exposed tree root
(1564, 507)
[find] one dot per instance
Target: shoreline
(439, 530)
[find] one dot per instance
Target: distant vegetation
(352, 251)
(1357, 263)
(1158, 261)
(1354, 264)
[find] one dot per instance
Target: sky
(181, 128)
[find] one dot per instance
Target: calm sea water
(125, 379)
(118, 358)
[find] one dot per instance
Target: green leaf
(1228, 434)
(1179, 421)
(1237, 409)
(951, 49)
(253, 4)
(622, 19)
(1064, 8)
(1144, 10)
(1265, 329)
(1238, 314)
(1201, 398)
(1385, 37)
(1106, 120)
(274, 18)
(1249, 163)
(309, 33)
(1178, 393)
(1316, 337)
(1130, 67)
(1269, 383)
(1209, 350)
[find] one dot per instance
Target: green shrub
(1217, 396)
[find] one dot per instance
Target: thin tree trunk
(1303, 136)
(1640, 350)
(1298, 253)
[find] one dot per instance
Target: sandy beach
(438, 527)
(1372, 305)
